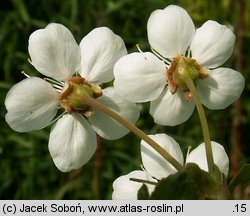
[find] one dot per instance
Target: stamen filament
(139, 49)
(189, 53)
(57, 87)
(166, 60)
(25, 74)
(188, 151)
(143, 181)
(143, 168)
(59, 83)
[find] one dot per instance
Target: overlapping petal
(104, 125)
(171, 109)
(153, 162)
(170, 31)
(198, 156)
(100, 49)
(221, 88)
(31, 104)
(72, 142)
(54, 51)
(213, 44)
(139, 77)
(125, 189)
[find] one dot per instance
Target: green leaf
(243, 177)
(206, 184)
(143, 193)
(193, 183)
(174, 187)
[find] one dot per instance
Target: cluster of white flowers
(72, 70)
(146, 76)
(157, 168)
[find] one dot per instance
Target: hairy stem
(204, 125)
(94, 103)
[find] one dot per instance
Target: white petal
(104, 125)
(221, 88)
(31, 104)
(153, 162)
(170, 31)
(125, 189)
(139, 77)
(54, 51)
(213, 44)
(72, 142)
(198, 156)
(100, 49)
(171, 109)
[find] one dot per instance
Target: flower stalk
(204, 125)
(95, 104)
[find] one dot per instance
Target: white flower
(141, 77)
(33, 103)
(156, 167)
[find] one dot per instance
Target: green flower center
(71, 98)
(182, 68)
